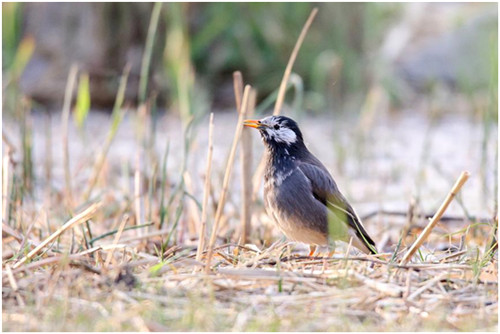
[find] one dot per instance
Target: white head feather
(279, 132)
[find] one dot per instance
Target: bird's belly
(291, 225)
(305, 235)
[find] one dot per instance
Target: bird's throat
(280, 161)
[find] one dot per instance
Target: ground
(395, 168)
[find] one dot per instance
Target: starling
(299, 192)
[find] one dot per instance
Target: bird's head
(277, 131)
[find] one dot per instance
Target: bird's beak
(252, 123)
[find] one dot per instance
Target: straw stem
(432, 223)
(227, 176)
(206, 191)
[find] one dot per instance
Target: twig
(425, 233)
(206, 190)
(78, 219)
(451, 256)
(117, 238)
(406, 293)
(447, 218)
(227, 176)
(391, 290)
(431, 282)
(14, 286)
(257, 178)
(72, 257)
(107, 234)
(65, 120)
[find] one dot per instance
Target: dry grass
(268, 289)
(140, 277)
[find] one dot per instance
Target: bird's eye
(276, 127)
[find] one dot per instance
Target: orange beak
(252, 123)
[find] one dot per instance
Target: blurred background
(395, 98)
(109, 103)
(406, 49)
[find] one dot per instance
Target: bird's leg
(322, 251)
(331, 246)
(312, 249)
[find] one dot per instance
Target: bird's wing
(326, 191)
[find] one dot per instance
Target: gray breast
(290, 202)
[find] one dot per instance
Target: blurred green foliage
(82, 100)
(192, 49)
(257, 38)
(186, 95)
(11, 31)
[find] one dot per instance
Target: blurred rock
(100, 37)
(450, 44)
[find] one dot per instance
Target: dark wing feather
(326, 191)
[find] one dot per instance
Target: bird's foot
(322, 251)
(312, 249)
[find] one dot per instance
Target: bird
(300, 195)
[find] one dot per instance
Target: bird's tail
(364, 243)
(361, 240)
(356, 231)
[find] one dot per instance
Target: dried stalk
(48, 160)
(238, 89)
(193, 220)
(14, 286)
(72, 257)
(65, 123)
(246, 158)
(257, 177)
(117, 116)
(6, 229)
(78, 219)
(391, 290)
(227, 176)
(430, 283)
(117, 238)
(147, 235)
(446, 218)
(7, 141)
(432, 223)
(27, 145)
(206, 191)
(291, 61)
(246, 170)
(146, 57)
(138, 193)
(5, 186)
